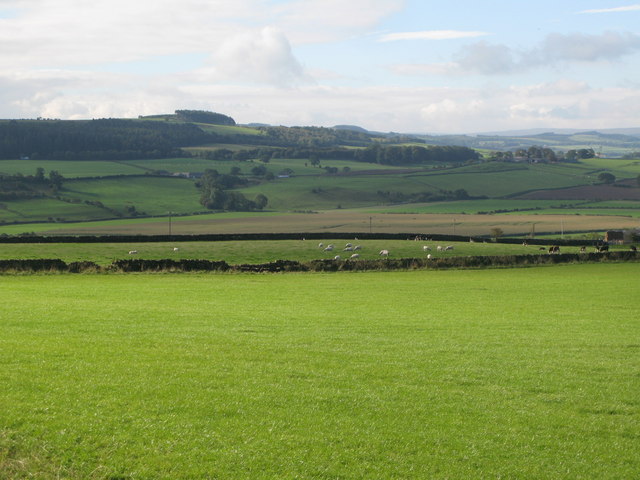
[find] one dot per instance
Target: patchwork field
(524, 373)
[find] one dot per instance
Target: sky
(410, 66)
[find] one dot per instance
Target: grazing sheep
(429, 257)
(355, 255)
(439, 248)
(331, 245)
(348, 249)
(384, 253)
(426, 248)
(448, 247)
(357, 247)
(175, 249)
(133, 252)
(348, 245)
(328, 248)
(337, 257)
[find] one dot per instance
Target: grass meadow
(519, 373)
(262, 251)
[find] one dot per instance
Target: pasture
(523, 373)
(265, 251)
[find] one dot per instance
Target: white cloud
(431, 35)
(628, 8)
(556, 49)
(308, 21)
(262, 56)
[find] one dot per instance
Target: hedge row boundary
(225, 237)
(279, 266)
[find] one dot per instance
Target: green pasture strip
(500, 183)
(61, 227)
(327, 191)
(621, 168)
(524, 373)
(47, 208)
(175, 165)
(152, 195)
(264, 251)
(229, 129)
(585, 211)
(477, 206)
(69, 169)
(625, 204)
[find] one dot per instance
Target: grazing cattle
(384, 253)
(583, 249)
(602, 248)
(448, 247)
(348, 249)
(357, 247)
(426, 248)
(554, 249)
(320, 245)
(541, 248)
(633, 248)
(133, 252)
(328, 248)
(355, 255)
(525, 244)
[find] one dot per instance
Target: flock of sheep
(349, 247)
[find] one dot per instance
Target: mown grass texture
(526, 373)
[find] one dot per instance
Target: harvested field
(357, 221)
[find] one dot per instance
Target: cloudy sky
(391, 65)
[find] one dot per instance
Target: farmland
(454, 374)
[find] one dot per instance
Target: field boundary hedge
(279, 266)
(225, 237)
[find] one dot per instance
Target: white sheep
(328, 248)
(426, 248)
(337, 257)
(384, 253)
(429, 257)
(439, 248)
(133, 252)
(448, 247)
(357, 247)
(175, 249)
(348, 249)
(348, 245)
(320, 245)
(355, 255)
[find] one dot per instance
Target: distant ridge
(560, 131)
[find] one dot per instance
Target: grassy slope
(425, 375)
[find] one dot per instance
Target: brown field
(353, 221)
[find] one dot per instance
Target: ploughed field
(517, 373)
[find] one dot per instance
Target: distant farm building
(614, 236)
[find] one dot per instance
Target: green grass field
(263, 251)
(524, 373)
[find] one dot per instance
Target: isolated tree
(496, 232)
(261, 201)
(606, 177)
